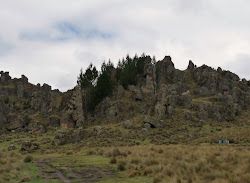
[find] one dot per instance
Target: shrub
(160, 151)
(69, 153)
(28, 159)
(116, 152)
(6, 101)
(113, 160)
(121, 166)
(156, 180)
(134, 173)
(90, 152)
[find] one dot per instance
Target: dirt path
(52, 174)
(84, 174)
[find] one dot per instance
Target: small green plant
(7, 100)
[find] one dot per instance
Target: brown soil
(86, 173)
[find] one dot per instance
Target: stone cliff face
(202, 93)
(22, 104)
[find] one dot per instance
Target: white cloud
(35, 41)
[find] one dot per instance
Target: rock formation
(201, 92)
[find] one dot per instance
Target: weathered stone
(185, 101)
(97, 130)
(11, 147)
(54, 121)
(203, 111)
(203, 91)
(191, 65)
(150, 78)
(144, 130)
(78, 135)
(20, 89)
(15, 123)
(106, 110)
(36, 128)
(120, 91)
(188, 115)
(216, 113)
(72, 113)
(164, 70)
(24, 79)
(160, 110)
(219, 70)
(152, 121)
(5, 76)
(62, 137)
(146, 125)
(29, 146)
(127, 124)
(46, 87)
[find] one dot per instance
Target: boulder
(62, 137)
(147, 125)
(97, 130)
(11, 147)
(144, 130)
(152, 121)
(136, 92)
(15, 123)
(36, 128)
(78, 135)
(120, 92)
(29, 146)
(127, 124)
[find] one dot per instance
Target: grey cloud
(54, 39)
(241, 65)
(5, 48)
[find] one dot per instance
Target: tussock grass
(179, 163)
(11, 164)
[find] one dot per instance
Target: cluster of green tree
(98, 85)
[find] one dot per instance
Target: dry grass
(178, 163)
(11, 164)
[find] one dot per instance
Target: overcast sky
(50, 40)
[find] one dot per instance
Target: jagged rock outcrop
(72, 110)
(191, 66)
(5, 77)
(23, 104)
(164, 71)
